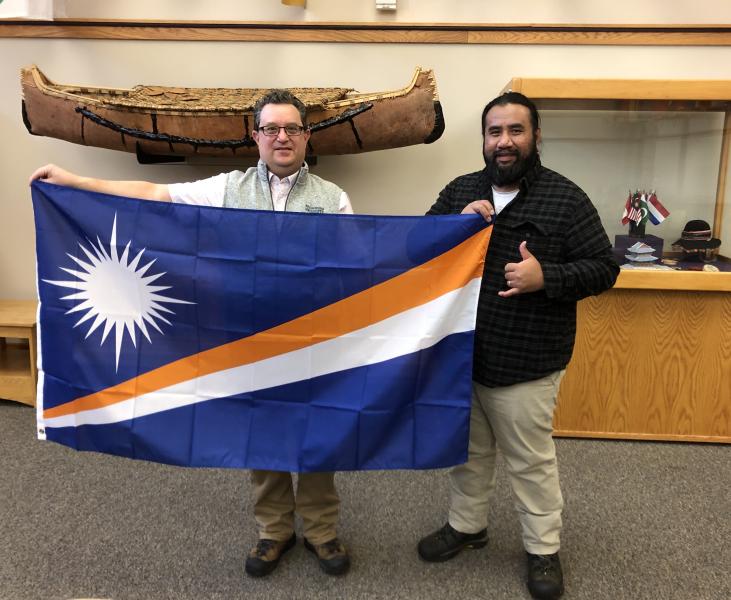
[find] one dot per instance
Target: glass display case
(653, 355)
(616, 138)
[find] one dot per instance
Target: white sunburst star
(114, 292)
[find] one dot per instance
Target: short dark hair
(278, 96)
(513, 98)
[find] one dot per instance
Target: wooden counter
(18, 373)
(652, 360)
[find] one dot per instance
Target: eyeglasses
(290, 130)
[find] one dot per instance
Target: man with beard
(547, 251)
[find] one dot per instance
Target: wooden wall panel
(650, 364)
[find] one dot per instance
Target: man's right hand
(480, 207)
(144, 190)
(54, 174)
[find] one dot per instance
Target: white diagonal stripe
(405, 333)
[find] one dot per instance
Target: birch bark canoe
(157, 121)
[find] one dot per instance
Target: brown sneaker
(264, 557)
(332, 556)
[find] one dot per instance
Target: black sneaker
(332, 556)
(545, 578)
(448, 542)
(264, 557)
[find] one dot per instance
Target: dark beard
(501, 176)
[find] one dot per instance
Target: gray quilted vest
(309, 193)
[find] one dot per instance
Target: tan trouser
(275, 503)
(518, 419)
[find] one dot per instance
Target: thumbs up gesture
(524, 276)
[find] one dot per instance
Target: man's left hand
(524, 276)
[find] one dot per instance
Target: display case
(617, 137)
(653, 355)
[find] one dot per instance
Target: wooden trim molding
(371, 32)
(691, 281)
(722, 174)
(690, 90)
(644, 437)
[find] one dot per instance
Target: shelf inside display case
(615, 138)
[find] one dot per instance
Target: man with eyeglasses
(280, 181)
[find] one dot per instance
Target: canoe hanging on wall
(156, 121)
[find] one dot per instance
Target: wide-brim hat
(697, 235)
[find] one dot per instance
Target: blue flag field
(212, 337)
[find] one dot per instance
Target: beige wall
(402, 181)
(443, 11)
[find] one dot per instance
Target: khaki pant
(275, 504)
(518, 419)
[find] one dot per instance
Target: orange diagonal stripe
(444, 273)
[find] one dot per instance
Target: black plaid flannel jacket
(528, 336)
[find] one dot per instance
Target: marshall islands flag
(215, 337)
